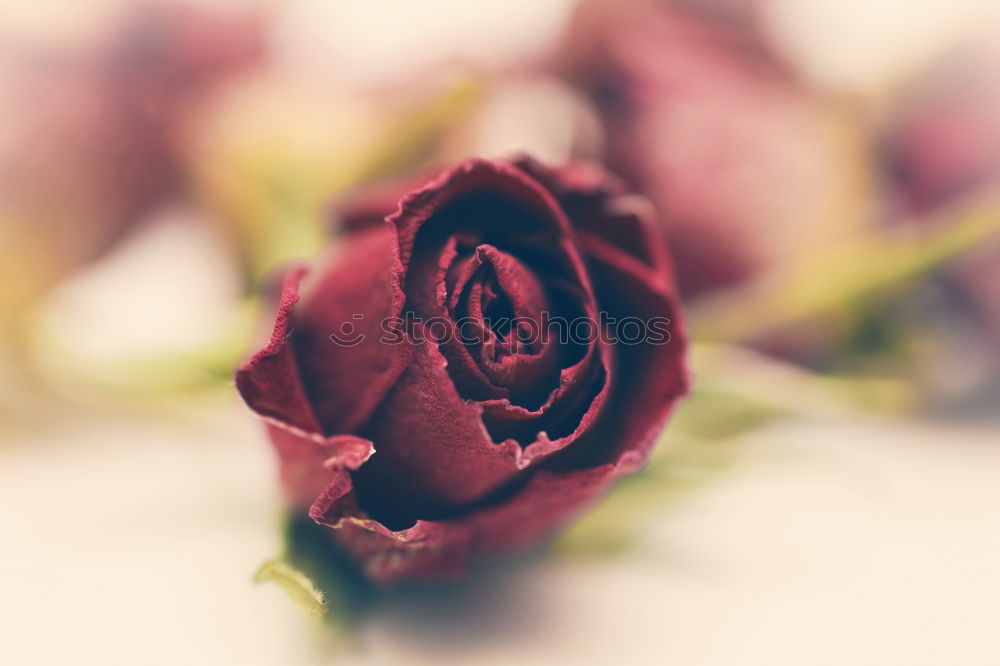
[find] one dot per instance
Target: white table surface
(838, 542)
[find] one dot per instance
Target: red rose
(413, 409)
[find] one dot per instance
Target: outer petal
(347, 360)
(269, 381)
(434, 453)
(367, 206)
(599, 204)
(270, 384)
(309, 464)
(632, 278)
(440, 549)
(652, 375)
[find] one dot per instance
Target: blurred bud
(750, 172)
(943, 138)
(88, 145)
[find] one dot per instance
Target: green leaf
(751, 387)
(846, 276)
(714, 413)
(319, 577)
(306, 595)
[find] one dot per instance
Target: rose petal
(366, 206)
(597, 203)
(434, 455)
(638, 408)
(309, 463)
(269, 381)
(350, 297)
(436, 549)
(429, 277)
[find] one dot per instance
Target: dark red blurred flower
(419, 449)
(744, 168)
(90, 137)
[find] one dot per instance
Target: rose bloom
(747, 170)
(420, 450)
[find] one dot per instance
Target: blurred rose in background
(827, 173)
(751, 170)
(90, 139)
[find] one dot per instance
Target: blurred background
(828, 177)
